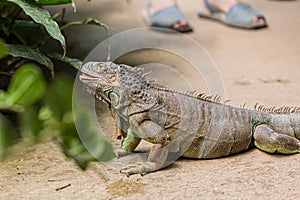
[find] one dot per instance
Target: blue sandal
(240, 15)
(166, 18)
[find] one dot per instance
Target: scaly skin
(186, 124)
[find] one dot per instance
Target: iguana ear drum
(114, 98)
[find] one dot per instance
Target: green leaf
(5, 26)
(58, 99)
(30, 33)
(7, 104)
(73, 148)
(31, 54)
(9, 10)
(90, 146)
(27, 86)
(3, 49)
(74, 62)
(56, 2)
(79, 141)
(52, 2)
(30, 123)
(3, 96)
(42, 16)
(90, 21)
(5, 135)
(97, 145)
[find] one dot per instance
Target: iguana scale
(188, 124)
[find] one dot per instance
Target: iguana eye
(113, 78)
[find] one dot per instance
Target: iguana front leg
(129, 143)
(160, 139)
(121, 125)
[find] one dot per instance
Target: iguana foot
(266, 139)
(139, 168)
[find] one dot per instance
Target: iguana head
(118, 85)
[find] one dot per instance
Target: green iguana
(188, 124)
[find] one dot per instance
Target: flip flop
(166, 18)
(240, 15)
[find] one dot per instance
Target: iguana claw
(121, 152)
(143, 173)
(126, 173)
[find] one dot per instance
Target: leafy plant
(25, 92)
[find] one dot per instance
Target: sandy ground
(256, 66)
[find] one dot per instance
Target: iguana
(191, 125)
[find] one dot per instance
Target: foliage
(3, 49)
(39, 103)
(30, 53)
(42, 16)
(26, 87)
(5, 140)
(59, 103)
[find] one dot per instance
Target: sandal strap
(210, 7)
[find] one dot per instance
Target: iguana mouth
(85, 76)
